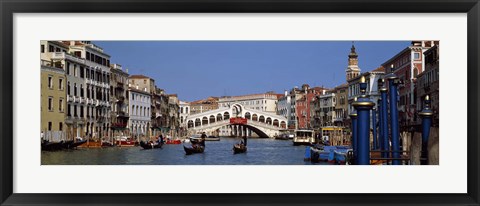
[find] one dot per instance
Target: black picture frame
(10, 7)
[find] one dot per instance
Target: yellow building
(53, 101)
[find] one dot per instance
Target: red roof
(138, 76)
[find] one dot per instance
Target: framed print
(252, 103)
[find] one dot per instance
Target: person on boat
(202, 140)
(160, 139)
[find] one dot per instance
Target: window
(60, 126)
(68, 88)
(74, 89)
(57, 49)
(416, 56)
(68, 111)
(68, 68)
(60, 105)
(49, 126)
(42, 48)
(50, 48)
(50, 103)
(50, 82)
(144, 81)
(60, 84)
(87, 73)
(88, 56)
(81, 111)
(81, 90)
(82, 73)
(75, 111)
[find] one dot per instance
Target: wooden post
(416, 149)
(433, 146)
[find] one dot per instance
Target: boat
(320, 155)
(107, 144)
(124, 141)
(77, 143)
(304, 137)
(51, 146)
(196, 138)
(176, 141)
(150, 145)
(239, 148)
(282, 137)
(212, 138)
(193, 149)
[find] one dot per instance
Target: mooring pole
(380, 128)
(393, 86)
(353, 116)
(426, 114)
(363, 106)
(384, 122)
(374, 126)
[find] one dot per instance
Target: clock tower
(352, 70)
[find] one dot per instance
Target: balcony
(80, 100)
(70, 98)
(62, 55)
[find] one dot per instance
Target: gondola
(51, 146)
(239, 148)
(150, 145)
(192, 150)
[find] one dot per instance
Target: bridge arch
(190, 124)
(275, 122)
(204, 121)
(197, 122)
(226, 115)
(269, 121)
(248, 116)
(283, 124)
(211, 119)
(219, 117)
(255, 117)
(261, 119)
(258, 131)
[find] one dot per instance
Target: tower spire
(352, 70)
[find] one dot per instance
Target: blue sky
(199, 69)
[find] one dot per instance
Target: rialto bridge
(236, 121)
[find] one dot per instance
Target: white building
(284, 105)
(264, 102)
(184, 113)
(97, 86)
(139, 109)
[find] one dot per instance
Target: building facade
(118, 96)
(140, 116)
(407, 64)
(341, 107)
(264, 102)
(96, 80)
(428, 83)
(53, 102)
(204, 105)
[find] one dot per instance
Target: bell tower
(352, 70)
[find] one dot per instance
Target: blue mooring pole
(363, 106)
(384, 122)
(426, 114)
(393, 84)
(353, 116)
(374, 126)
(380, 131)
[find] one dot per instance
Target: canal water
(260, 152)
